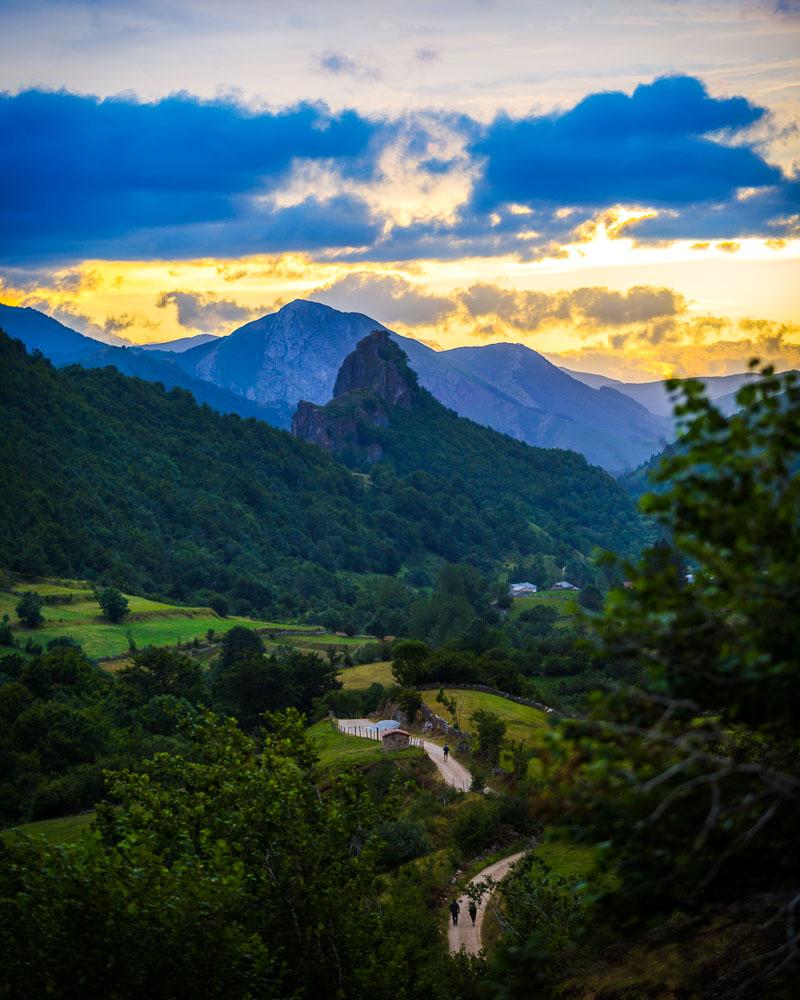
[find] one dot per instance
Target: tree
(310, 678)
(408, 662)
(591, 598)
(29, 609)
(113, 604)
(410, 702)
(219, 875)
(6, 635)
(219, 605)
(239, 642)
(161, 671)
(491, 731)
(251, 685)
(450, 705)
(692, 780)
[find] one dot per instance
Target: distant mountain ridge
(64, 346)
(181, 344)
(655, 395)
(266, 367)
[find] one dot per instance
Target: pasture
(74, 612)
(522, 721)
(64, 830)
(564, 602)
(368, 673)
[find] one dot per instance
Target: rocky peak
(373, 380)
(377, 366)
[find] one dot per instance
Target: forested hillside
(111, 478)
(381, 418)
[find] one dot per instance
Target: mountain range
(656, 397)
(264, 368)
(64, 346)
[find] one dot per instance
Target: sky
(613, 184)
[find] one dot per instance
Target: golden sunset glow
(753, 282)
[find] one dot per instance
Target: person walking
(446, 749)
(454, 909)
(473, 911)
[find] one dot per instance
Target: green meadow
(64, 830)
(522, 721)
(564, 602)
(72, 611)
(368, 673)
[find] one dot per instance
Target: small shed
(395, 739)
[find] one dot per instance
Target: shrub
(6, 635)
(29, 609)
(113, 604)
(63, 642)
(401, 840)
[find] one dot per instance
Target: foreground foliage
(230, 871)
(692, 781)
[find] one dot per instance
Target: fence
(372, 733)
(438, 724)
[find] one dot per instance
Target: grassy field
(368, 673)
(565, 602)
(63, 830)
(336, 748)
(573, 861)
(149, 623)
(522, 721)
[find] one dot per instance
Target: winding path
(464, 935)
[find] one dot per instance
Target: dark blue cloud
(652, 147)
(82, 177)
(79, 173)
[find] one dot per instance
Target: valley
(194, 604)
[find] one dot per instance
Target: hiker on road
(446, 749)
(473, 911)
(454, 909)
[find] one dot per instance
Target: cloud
(667, 146)
(684, 353)
(389, 298)
(340, 64)
(89, 175)
(183, 177)
(651, 148)
(489, 312)
(588, 308)
(205, 313)
(428, 54)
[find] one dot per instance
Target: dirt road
(452, 772)
(464, 935)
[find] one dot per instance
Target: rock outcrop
(373, 380)
(378, 366)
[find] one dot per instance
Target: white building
(521, 589)
(565, 585)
